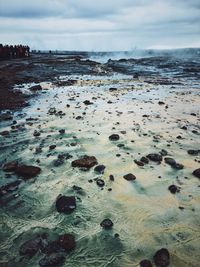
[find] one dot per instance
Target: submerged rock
(155, 157)
(67, 242)
(106, 224)
(30, 247)
(114, 137)
(27, 171)
(86, 162)
(196, 173)
(52, 260)
(129, 177)
(9, 185)
(145, 263)
(65, 204)
(162, 258)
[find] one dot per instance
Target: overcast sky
(100, 24)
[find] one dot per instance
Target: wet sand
(151, 113)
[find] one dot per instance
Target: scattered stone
(87, 102)
(58, 162)
(100, 169)
(114, 137)
(4, 133)
(36, 133)
(51, 147)
(65, 204)
(112, 89)
(106, 224)
(100, 182)
(129, 177)
(196, 173)
(30, 247)
(52, 260)
(67, 241)
(35, 88)
(111, 178)
(193, 152)
(173, 189)
(139, 163)
(6, 117)
(145, 263)
(162, 258)
(161, 103)
(173, 163)
(62, 131)
(27, 171)
(144, 160)
(10, 166)
(85, 162)
(155, 157)
(8, 185)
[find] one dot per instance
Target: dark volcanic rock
(65, 204)
(114, 137)
(27, 171)
(100, 182)
(9, 185)
(86, 162)
(35, 88)
(10, 166)
(129, 177)
(62, 131)
(173, 189)
(155, 157)
(170, 161)
(162, 258)
(144, 160)
(67, 242)
(52, 260)
(30, 247)
(193, 152)
(178, 166)
(49, 247)
(139, 163)
(106, 224)
(145, 263)
(173, 163)
(100, 169)
(196, 173)
(87, 102)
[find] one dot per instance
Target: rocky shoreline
(99, 163)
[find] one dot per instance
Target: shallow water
(145, 214)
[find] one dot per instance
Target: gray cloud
(102, 25)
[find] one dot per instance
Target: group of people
(14, 51)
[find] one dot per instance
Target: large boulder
(85, 162)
